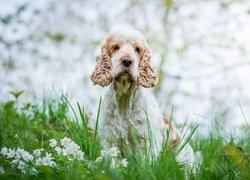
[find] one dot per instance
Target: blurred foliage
(238, 157)
(31, 123)
(7, 19)
(168, 4)
(59, 37)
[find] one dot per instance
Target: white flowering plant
(28, 163)
(71, 156)
(111, 158)
(109, 161)
(59, 153)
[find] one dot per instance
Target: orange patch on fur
(173, 141)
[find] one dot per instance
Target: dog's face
(125, 52)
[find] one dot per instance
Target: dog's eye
(138, 50)
(115, 48)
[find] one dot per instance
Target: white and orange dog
(125, 65)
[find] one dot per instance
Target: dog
(125, 66)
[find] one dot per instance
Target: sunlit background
(201, 50)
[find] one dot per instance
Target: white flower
(112, 163)
(14, 162)
(71, 148)
(65, 141)
(39, 161)
(4, 151)
(21, 166)
(52, 142)
(37, 152)
(18, 153)
(90, 166)
(74, 147)
(58, 150)
(66, 151)
(47, 160)
(104, 153)
(21, 153)
(11, 153)
(124, 163)
(99, 159)
(113, 152)
(79, 155)
(1, 170)
(27, 157)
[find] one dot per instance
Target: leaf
(58, 37)
(8, 105)
(237, 157)
(16, 94)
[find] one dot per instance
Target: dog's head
(125, 52)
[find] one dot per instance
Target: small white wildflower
(14, 162)
(66, 151)
(18, 153)
(47, 160)
(104, 153)
(65, 141)
(52, 142)
(113, 152)
(73, 146)
(28, 157)
(124, 163)
(37, 152)
(39, 161)
(1, 170)
(21, 153)
(4, 151)
(11, 153)
(79, 155)
(90, 166)
(58, 150)
(112, 163)
(21, 166)
(99, 159)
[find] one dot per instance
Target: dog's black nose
(126, 62)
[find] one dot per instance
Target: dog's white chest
(122, 125)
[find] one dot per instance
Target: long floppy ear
(101, 75)
(147, 76)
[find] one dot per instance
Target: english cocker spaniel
(125, 66)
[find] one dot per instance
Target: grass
(31, 125)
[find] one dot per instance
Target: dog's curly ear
(147, 76)
(101, 75)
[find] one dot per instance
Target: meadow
(50, 139)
